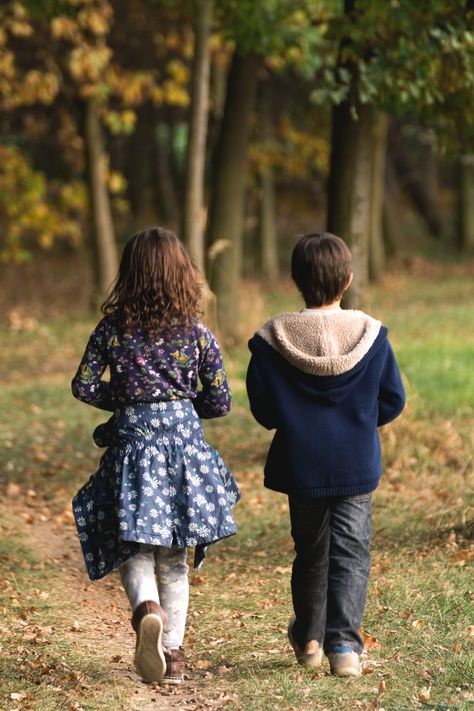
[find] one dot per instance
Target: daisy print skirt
(159, 482)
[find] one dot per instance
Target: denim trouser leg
(331, 568)
(309, 580)
(349, 568)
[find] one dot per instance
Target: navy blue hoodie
(325, 380)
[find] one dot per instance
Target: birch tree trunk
(103, 242)
(194, 211)
(227, 205)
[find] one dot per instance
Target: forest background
(239, 124)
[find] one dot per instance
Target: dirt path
(95, 615)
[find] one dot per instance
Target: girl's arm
(214, 400)
(87, 384)
(391, 390)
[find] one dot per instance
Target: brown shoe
(175, 662)
(311, 655)
(148, 621)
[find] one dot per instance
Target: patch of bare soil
(96, 615)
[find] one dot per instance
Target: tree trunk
(341, 171)
(391, 210)
(138, 168)
(218, 84)
(194, 211)
(104, 244)
(267, 222)
(466, 204)
(350, 186)
(413, 180)
(268, 230)
(165, 187)
(379, 152)
(227, 205)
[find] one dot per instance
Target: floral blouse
(183, 365)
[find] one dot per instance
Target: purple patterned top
(152, 371)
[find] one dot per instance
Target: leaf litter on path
(97, 613)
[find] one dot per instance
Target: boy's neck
(336, 305)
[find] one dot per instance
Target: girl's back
(160, 486)
(168, 366)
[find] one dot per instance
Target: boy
(325, 378)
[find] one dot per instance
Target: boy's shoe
(148, 621)
(311, 655)
(175, 661)
(343, 661)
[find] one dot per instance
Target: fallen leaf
(42, 594)
(424, 694)
(198, 579)
(17, 696)
(13, 489)
(202, 664)
(370, 641)
(464, 554)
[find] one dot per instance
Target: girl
(160, 487)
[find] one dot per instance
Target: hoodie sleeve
(391, 390)
(260, 396)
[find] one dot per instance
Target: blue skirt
(159, 482)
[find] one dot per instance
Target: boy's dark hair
(157, 287)
(321, 266)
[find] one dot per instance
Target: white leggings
(167, 567)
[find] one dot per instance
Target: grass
(418, 620)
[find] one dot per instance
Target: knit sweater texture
(325, 381)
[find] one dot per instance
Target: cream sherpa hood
(321, 342)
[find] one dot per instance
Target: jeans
(331, 569)
(160, 574)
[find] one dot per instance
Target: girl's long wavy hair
(157, 287)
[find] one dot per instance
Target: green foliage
(274, 27)
(404, 56)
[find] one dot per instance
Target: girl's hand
(103, 434)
